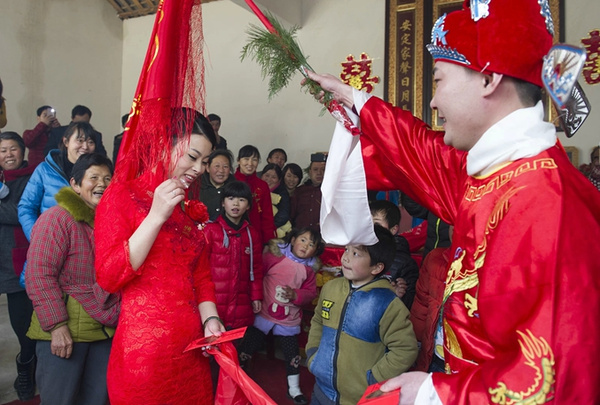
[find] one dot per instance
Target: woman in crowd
(54, 173)
(74, 318)
(292, 176)
(151, 249)
(218, 173)
(280, 199)
(261, 213)
(14, 174)
(278, 157)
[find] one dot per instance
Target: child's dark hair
(390, 211)
(238, 189)
(315, 237)
(384, 250)
(248, 151)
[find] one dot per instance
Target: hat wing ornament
(575, 111)
(562, 66)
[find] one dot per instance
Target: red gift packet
(213, 340)
(374, 396)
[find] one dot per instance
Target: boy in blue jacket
(361, 333)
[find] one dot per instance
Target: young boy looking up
(361, 333)
(404, 271)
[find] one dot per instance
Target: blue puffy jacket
(38, 196)
(357, 337)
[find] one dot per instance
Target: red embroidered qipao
(159, 315)
(522, 291)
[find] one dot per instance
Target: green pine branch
(279, 57)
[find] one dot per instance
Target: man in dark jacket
(118, 138)
(36, 139)
(306, 201)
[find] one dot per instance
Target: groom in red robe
(522, 294)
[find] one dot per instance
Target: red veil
(172, 77)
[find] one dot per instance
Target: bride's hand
(166, 196)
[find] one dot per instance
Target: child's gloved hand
(281, 295)
(289, 293)
(256, 306)
(400, 287)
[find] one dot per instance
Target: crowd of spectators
(249, 210)
(283, 198)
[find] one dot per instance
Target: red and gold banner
(591, 68)
(357, 73)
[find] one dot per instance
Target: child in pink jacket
(289, 282)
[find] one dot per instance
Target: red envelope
(235, 387)
(374, 396)
(228, 336)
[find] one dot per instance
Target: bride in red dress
(151, 251)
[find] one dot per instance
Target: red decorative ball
(196, 210)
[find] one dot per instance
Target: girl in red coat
(261, 213)
(235, 253)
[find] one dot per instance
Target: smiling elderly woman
(74, 318)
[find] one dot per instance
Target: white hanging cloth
(345, 214)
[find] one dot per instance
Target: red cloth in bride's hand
(159, 312)
(235, 387)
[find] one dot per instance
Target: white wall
(136, 36)
(61, 53)
(291, 120)
(235, 90)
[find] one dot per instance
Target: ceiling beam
(137, 8)
(288, 12)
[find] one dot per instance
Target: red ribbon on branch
(261, 17)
